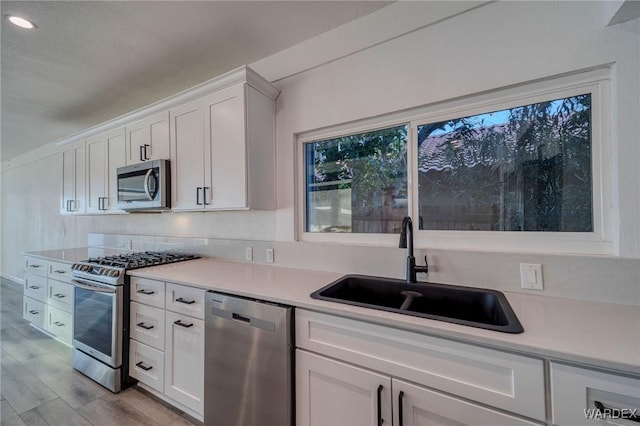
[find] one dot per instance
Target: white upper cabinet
(223, 151)
(72, 200)
(148, 139)
(104, 154)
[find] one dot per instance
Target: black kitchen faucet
(412, 269)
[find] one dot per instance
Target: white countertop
(73, 255)
(591, 333)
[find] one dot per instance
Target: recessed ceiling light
(21, 22)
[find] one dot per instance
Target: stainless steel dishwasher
(248, 362)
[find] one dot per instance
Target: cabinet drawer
(147, 325)
(512, 382)
(35, 287)
(34, 311)
(147, 365)
(60, 295)
(185, 300)
(577, 392)
(60, 271)
(34, 265)
(60, 324)
(149, 292)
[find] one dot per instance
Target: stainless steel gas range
(101, 314)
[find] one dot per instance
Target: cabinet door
(225, 149)
(147, 325)
(148, 139)
(418, 406)
(184, 360)
(96, 162)
(35, 265)
(187, 157)
(330, 393)
(60, 324)
(60, 295)
(73, 179)
(116, 157)
(35, 286)
(588, 397)
(34, 311)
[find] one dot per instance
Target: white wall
(491, 46)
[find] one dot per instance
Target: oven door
(97, 321)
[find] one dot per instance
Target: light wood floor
(39, 386)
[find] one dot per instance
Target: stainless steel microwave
(144, 186)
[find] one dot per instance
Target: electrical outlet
(248, 253)
(269, 255)
(531, 276)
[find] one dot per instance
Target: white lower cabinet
(443, 382)
(184, 360)
(418, 406)
(582, 396)
(146, 364)
(48, 297)
(34, 311)
(166, 351)
(60, 324)
(330, 392)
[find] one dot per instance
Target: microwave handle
(146, 183)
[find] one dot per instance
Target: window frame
(601, 241)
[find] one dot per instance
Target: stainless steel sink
(475, 307)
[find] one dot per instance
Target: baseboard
(15, 280)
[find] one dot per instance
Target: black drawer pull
(59, 271)
(182, 324)
(186, 302)
(34, 312)
(400, 418)
(144, 367)
(146, 292)
(59, 324)
(59, 295)
(630, 414)
(380, 419)
(34, 266)
(143, 325)
(34, 287)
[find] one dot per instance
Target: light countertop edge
(599, 335)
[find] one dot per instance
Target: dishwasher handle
(244, 319)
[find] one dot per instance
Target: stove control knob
(102, 271)
(113, 273)
(85, 267)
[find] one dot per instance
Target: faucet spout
(406, 241)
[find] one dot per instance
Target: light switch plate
(248, 253)
(531, 276)
(269, 255)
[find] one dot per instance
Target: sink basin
(475, 307)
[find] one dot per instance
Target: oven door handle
(93, 287)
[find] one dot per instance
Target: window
(525, 168)
(357, 183)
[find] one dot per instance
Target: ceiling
(90, 61)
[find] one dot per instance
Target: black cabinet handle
(141, 156)
(400, 396)
(34, 287)
(198, 195)
(380, 420)
(182, 324)
(146, 154)
(204, 195)
(186, 302)
(146, 292)
(59, 271)
(34, 266)
(59, 295)
(631, 416)
(143, 325)
(144, 367)
(34, 312)
(59, 324)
